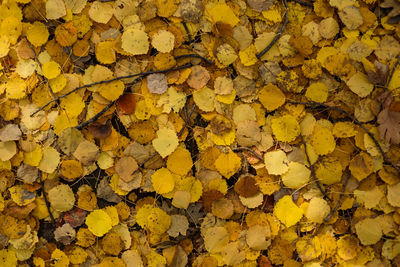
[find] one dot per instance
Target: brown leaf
(100, 130)
(246, 186)
(380, 74)
(389, 123)
(126, 104)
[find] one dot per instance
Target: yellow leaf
(329, 170)
(99, 222)
(112, 91)
(227, 164)
(135, 41)
(163, 181)
(73, 105)
(16, 88)
(297, 176)
(271, 97)
(166, 142)
(61, 198)
(222, 13)
(317, 92)
(105, 52)
(21, 196)
(323, 141)
(285, 128)
(50, 160)
(8, 258)
(154, 219)
(360, 84)
(344, 129)
(4, 45)
(204, 99)
(37, 34)
(51, 69)
(317, 210)
(287, 212)
(180, 161)
(60, 259)
(7, 150)
(101, 12)
(369, 231)
(163, 41)
(248, 56)
(276, 162)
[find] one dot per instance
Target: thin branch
(187, 31)
(392, 72)
(355, 121)
(255, 154)
(95, 117)
(188, 65)
(303, 3)
(195, 56)
(313, 171)
(40, 65)
(278, 34)
(340, 197)
(45, 198)
(187, 120)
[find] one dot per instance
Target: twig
(95, 117)
(278, 34)
(355, 121)
(187, 31)
(392, 72)
(187, 120)
(313, 171)
(195, 56)
(45, 198)
(188, 65)
(303, 3)
(40, 65)
(340, 197)
(255, 154)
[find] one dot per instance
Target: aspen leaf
(16, 88)
(166, 142)
(61, 198)
(215, 239)
(154, 219)
(317, 92)
(361, 166)
(37, 34)
(50, 160)
(360, 84)
(181, 199)
(163, 41)
(369, 231)
(163, 181)
(253, 201)
(287, 212)
(179, 225)
(271, 97)
(21, 196)
(135, 41)
(112, 91)
(276, 162)
(180, 161)
(7, 150)
(101, 12)
(222, 13)
(55, 9)
(285, 128)
(59, 258)
(227, 164)
(297, 175)
(317, 210)
(258, 237)
(98, 222)
(323, 141)
(204, 99)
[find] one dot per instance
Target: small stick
(95, 117)
(40, 65)
(195, 56)
(187, 121)
(392, 72)
(349, 116)
(187, 31)
(303, 3)
(278, 34)
(255, 154)
(188, 65)
(313, 171)
(45, 198)
(340, 198)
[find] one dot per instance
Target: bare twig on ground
(340, 197)
(313, 171)
(45, 198)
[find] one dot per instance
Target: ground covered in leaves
(202, 133)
